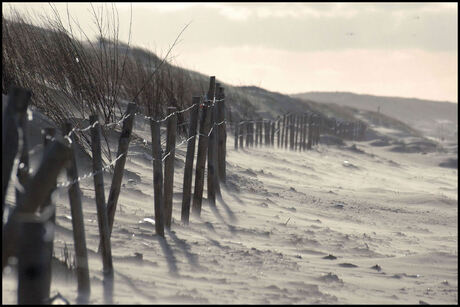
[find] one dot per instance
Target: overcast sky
(391, 49)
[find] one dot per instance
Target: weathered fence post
(81, 256)
(212, 180)
(169, 165)
(267, 133)
(251, 134)
(188, 169)
(205, 121)
(288, 126)
(18, 101)
(37, 192)
(221, 134)
(257, 134)
(157, 177)
(34, 261)
(310, 132)
(48, 135)
(272, 134)
(23, 166)
(237, 126)
(278, 120)
(241, 136)
(248, 133)
(123, 144)
(292, 132)
(102, 219)
(283, 131)
(305, 122)
(300, 131)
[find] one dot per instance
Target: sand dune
(353, 224)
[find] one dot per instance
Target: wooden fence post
(18, 101)
(169, 165)
(305, 123)
(123, 144)
(283, 130)
(23, 167)
(248, 133)
(278, 120)
(237, 126)
(257, 134)
(259, 124)
(157, 177)
(34, 261)
(267, 133)
(55, 156)
(205, 121)
(242, 129)
(102, 219)
(81, 254)
(251, 135)
(288, 126)
(48, 135)
(221, 134)
(212, 174)
(188, 169)
(272, 134)
(292, 132)
(310, 132)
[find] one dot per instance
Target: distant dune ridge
(428, 116)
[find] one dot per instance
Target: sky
(389, 49)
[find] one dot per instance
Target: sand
(334, 225)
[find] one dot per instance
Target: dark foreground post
(188, 170)
(34, 261)
(37, 191)
(18, 100)
(48, 135)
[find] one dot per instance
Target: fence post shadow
(169, 255)
(191, 258)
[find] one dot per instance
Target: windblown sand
(367, 226)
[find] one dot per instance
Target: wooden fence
(23, 233)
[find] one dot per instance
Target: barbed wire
(93, 173)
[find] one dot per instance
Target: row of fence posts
(297, 132)
(29, 236)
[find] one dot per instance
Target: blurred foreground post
(34, 263)
(48, 135)
(18, 101)
(38, 189)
